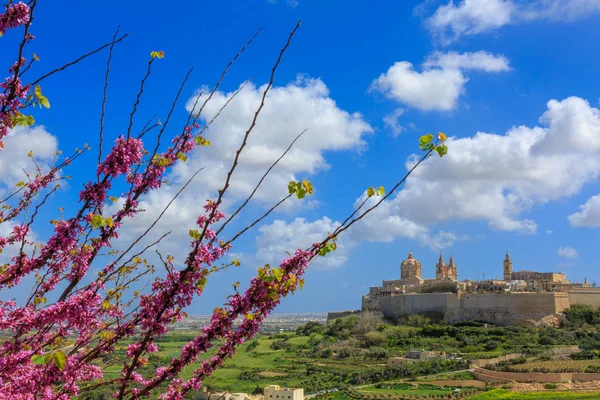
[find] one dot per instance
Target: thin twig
(110, 53)
(257, 221)
(67, 65)
(247, 134)
(259, 183)
(137, 98)
(197, 115)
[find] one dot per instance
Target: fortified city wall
(499, 308)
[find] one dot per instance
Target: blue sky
(367, 81)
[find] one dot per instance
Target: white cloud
(588, 215)
(288, 110)
(13, 159)
(498, 178)
(441, 82)
(391, 121)
(303, 104)
(280, 237)
(469, 17)
(568, 252)
(479, 61)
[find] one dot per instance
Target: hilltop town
(521, 297)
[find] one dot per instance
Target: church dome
(410, 267)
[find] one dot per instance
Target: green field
(352, 352)
(500, 394)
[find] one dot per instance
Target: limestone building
(446, 272)
(521, 295)
(274, 392)
(410, 271)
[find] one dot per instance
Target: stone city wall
(497, 376)
(590, 297)
(498, 308)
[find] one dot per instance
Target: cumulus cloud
(588, 215)
(288, 110)
(279, 237)
(469, 17)
(14, 162)
(568, 252)
(498, 178)
(391, 121)
(275, 240)
(441, 81)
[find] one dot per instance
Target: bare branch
(67, 65)
(138, 97)
(247, 134)
(257, 221)
(259, 183)
(110, 53)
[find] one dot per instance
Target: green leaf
(44, 101)
(202, 141)
(194, 234)
(292, 187)
(60, 359)
(381, 191)
(300, 191)
(278, 273)
(109, 222)
(182, 157)
(24, 120)
(268, 278)
(442, 150)
(423, 140)
(308, 186)
(428, 147)
(38, 360)
(97, 221)
(157, 54)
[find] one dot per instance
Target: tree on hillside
(83, 308)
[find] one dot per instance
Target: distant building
(532, 295)
(274, 392)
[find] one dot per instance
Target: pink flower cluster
(14, 16)
(13, 92)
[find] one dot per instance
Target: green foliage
(375, 338)
(437, 144)
(580, 314)
(417, 320)
(300, 188)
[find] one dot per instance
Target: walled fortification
(498, 308)
(591, 297)
(497, 376)
(527, 298)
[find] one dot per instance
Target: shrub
(375, 338)
(551, 386)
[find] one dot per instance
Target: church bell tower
(508, 268)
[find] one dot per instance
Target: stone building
(446, 272)
(543, 280)
(274, 392)
(521, 295)
(410, 271)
